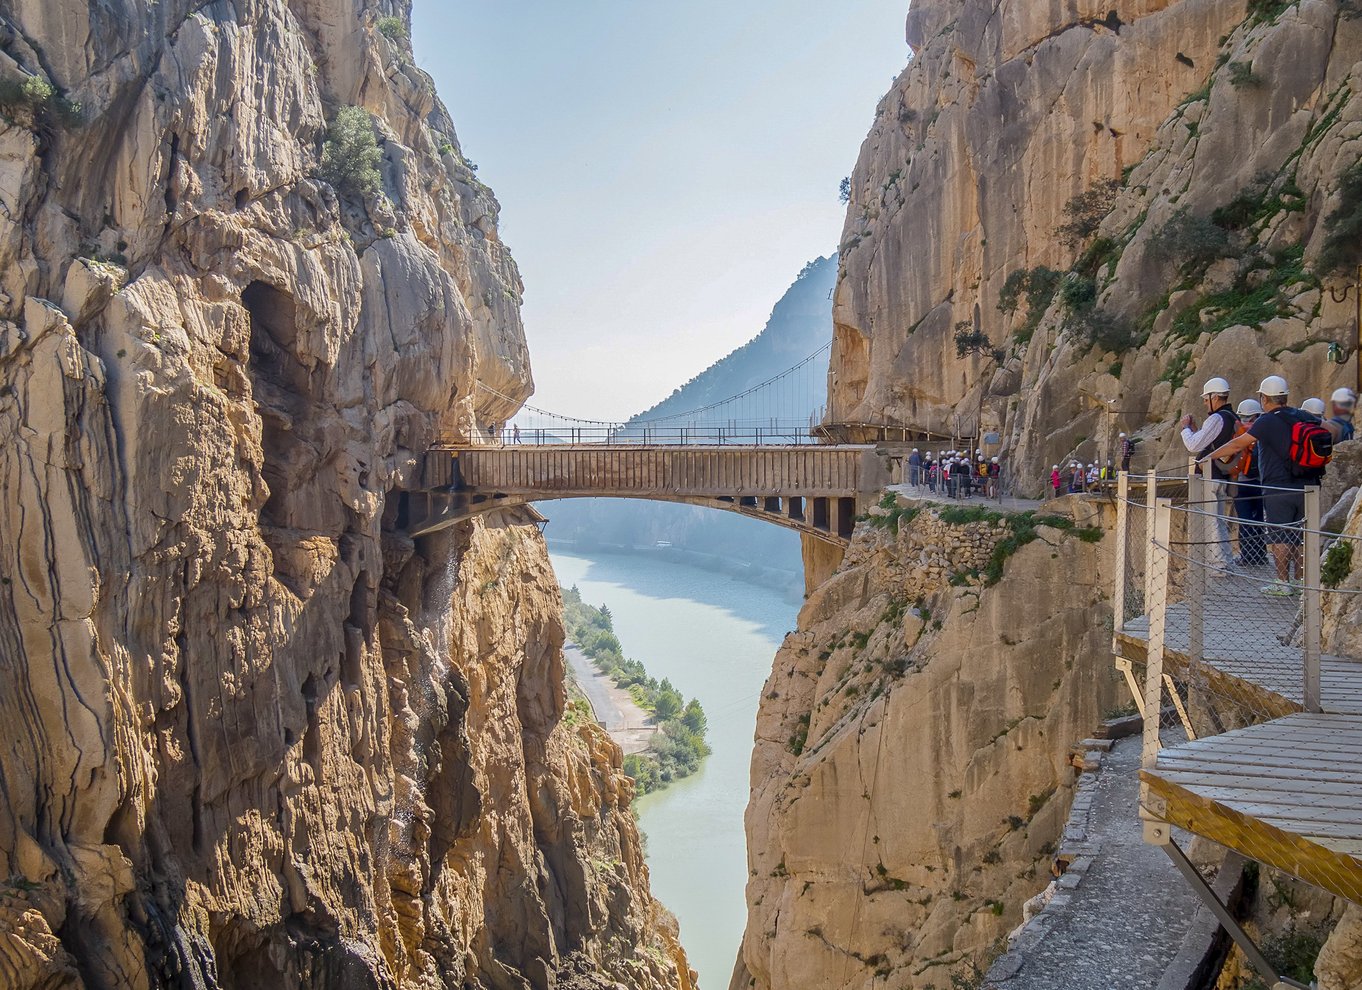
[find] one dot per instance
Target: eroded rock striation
(254, 736)
(1208, 142)
(911, 776)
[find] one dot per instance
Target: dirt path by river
(615, 708)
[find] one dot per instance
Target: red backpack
(1312, 447)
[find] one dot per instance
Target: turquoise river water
(714, 637)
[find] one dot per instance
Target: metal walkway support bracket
(1227, 920)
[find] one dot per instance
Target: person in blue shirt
(1283, 488)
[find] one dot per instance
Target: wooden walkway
(1287, 793)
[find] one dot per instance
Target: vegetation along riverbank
(679, 745)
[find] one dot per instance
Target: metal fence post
(1151, 496)
(1158, 629)
(1200, 529)
(1122, 539)
(1310, 601)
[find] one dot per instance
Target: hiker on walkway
(1093, 478)
(1283, 484)
(1217, 431)
(1075, 477)
(515, 434)
(1340, 422)
(915, 468)
(1248, 496)
(1056, 480)
(995, 479)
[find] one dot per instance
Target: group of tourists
(1262, 455)
(956, 473)
(1078, 478)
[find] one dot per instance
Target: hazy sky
(664, 168)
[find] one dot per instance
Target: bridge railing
(740, 435)
(1208, 635)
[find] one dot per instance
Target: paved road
(597, 691)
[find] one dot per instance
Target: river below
(714, 637)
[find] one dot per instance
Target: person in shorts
(1283, 489)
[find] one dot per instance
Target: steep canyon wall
(252, 735)
(1211, 138)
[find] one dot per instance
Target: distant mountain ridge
(800, 324)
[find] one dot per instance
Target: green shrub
(35, 100)
(392, 28)
(350, 154)
(1266, 10)
(844, 191)
(1242, 74)
(968, 340)
(1097, 328)
(1038, 285)
(1077, 292)
(1343, 242)
(1338, 564)
(1190, 242)
(1099, 253)
(1085, 212)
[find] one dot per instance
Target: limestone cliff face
(1008, 112)
(910, 775)
(252, 735)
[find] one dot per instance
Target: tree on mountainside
(350, 155)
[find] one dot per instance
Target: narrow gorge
(257, 734)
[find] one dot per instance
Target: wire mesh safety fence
(1221, 596)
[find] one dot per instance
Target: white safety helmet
(1274, 386)
(1216, 386)
(1343, 397)
(1249, 407)
(1123, 436)
(1055, 468)
(915, 450)
(995, 460)
(1315, 407)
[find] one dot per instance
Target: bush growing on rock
(1085, 212)
(33, 99)
(1190, 242)
(1343, 245)
(350, 154)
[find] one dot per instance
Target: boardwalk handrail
(1224, 643)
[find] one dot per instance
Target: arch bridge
(814, 489)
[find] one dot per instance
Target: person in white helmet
(1340, 422)
(1283, 488)
(1056, 480)
(915, 468)
(1215, 432)
(1314, 407)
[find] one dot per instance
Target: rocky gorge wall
(254, 736)
(910, 776)
(1211, 139)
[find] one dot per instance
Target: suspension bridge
(762, 451)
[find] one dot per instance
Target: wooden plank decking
(1243, 656)
(1287, 793)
